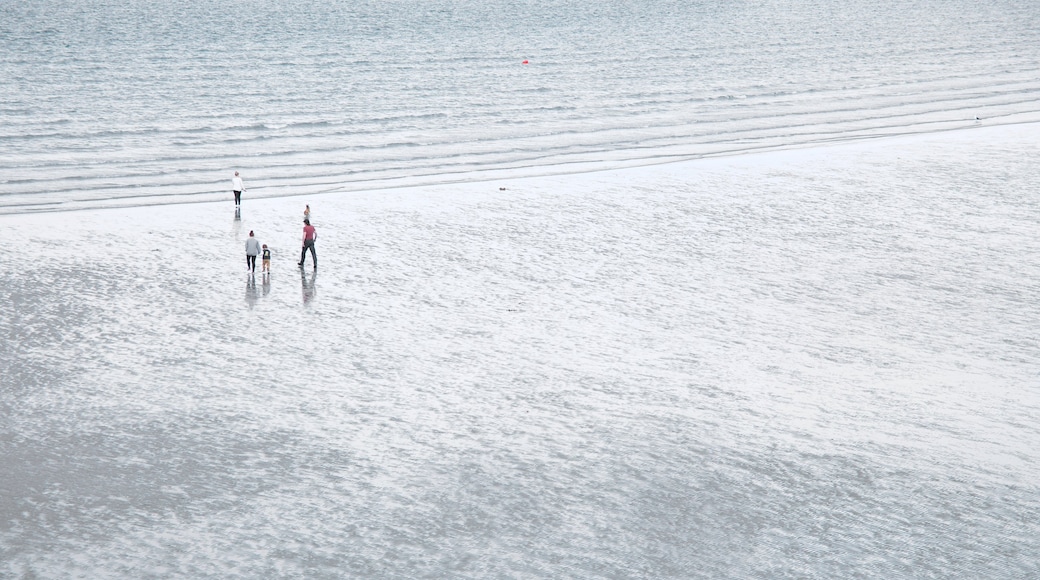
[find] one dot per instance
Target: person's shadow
(310, 289)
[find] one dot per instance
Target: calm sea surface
(129, 102)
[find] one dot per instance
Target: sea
(130, 102)
(710, 289)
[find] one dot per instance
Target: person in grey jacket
(252, 251)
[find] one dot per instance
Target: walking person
(237, 187)
(309, 237)
(307, 212)
(252, 251)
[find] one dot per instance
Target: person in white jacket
(237, 187)
(252, 251)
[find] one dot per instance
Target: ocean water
(129, 102)
(704, 290)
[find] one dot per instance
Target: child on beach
(265, 268)
(307, 212)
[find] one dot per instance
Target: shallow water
(126, 103)
(804, 364)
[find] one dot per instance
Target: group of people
(254, 249)
(253, 246)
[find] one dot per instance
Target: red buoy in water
(525, 62)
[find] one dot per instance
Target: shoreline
(492, 176)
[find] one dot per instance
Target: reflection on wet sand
(252, 294)
(308, 285)
(236, 225)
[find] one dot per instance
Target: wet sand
(807, 363)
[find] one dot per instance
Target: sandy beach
(818, 362)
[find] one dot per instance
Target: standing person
(309, 237)
(266, 267)
(237, 187)
(307, 212)
(252, 251)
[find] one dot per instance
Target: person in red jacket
(309, 237)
